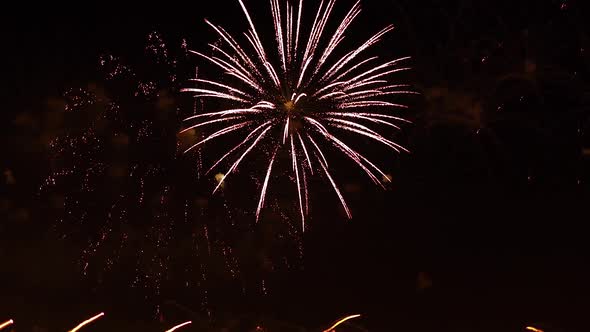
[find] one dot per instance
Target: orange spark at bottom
(530, 328)
(86, 322)
(6, 324)
(341, 321)
(179, 326)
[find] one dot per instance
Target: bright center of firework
(289, 106)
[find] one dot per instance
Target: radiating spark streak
(239, 111)
(86, 322)
(342, 201)
(355, 67)
(530, 328)
(252, 26)
(306, 154)
(219, 133)
(377, 138)
(303, 72)
(352, 115)
(371, 78)
(289, 34)
(339, 35)
(375, 69)
(321, 26)
(265, 186)
(316, 124)
(298, 24)
(356, 157)
(6, 324)
(222, 86)
(286, 130)
(231, 71)
(361, 95)
(179, 326)
(374, 115)
(258, 45)
(296, 168)
(210, 122)
(233, 44)
(330, 329)
(299, 97)
(238, 146)
(319, 150)
(237, 163)
(305, 191)
(312, 33)
(212, 93)
(352, 55)
(332, 94)
(370, 103)
(237, 66)
(276, 13)
(328, 87)
(238, 49)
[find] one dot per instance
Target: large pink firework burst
(297, 99)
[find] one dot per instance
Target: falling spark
(302, 103)
(341, 321)
(6, 324)
(86, 322)
(530, 328)
(179, 326)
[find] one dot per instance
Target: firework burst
(300, 97)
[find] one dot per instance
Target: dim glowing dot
(290, 105)
(219, 177)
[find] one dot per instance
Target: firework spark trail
(265, 186)
(6, 324)
(333, 327)
(313, 96)
(86, 322)
(237, 163)
(238, 146)
(179, 326)
(296, 169)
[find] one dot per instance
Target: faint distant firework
(301, 100)
(119, 188)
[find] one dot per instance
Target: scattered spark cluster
(119, 187)
(301, 100)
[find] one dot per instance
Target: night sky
(482, 229)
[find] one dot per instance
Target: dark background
(483, 229)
